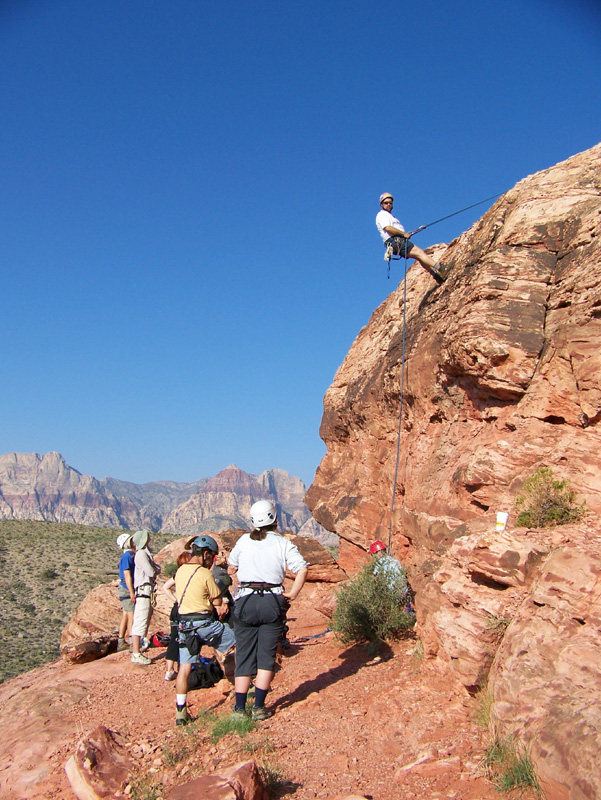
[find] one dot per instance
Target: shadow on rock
(354, 659)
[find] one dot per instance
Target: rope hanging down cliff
(389, 255)
(398, 444)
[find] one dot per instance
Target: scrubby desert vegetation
(46, 569)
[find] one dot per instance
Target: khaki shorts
(126, 603)
(142, 615)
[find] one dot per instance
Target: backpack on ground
(204, 674)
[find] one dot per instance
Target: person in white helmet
(261, 558)
(125, 591)
(393, 234)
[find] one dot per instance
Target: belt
(194, 617)
(260, 585)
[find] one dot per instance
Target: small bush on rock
(170, 569)
(546, 501)
(371, 607)
(510, 768)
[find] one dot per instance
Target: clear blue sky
(188, 192)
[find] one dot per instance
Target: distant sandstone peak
(45, 487)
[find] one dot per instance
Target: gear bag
(204, 674)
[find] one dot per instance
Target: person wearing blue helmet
(201, 609)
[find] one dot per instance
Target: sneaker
(181, 716)
(144, 644)
(261, 713)
(138, 658)
(123, 645)
(170, 675)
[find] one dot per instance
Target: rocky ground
(386, 728)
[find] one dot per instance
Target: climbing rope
(454, 214)
(389, 253)
(398, 445)
(388, 256)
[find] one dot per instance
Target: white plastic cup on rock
(502, 517)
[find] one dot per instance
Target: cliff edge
(502, 375)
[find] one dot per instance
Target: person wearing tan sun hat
(146, 570)
(394, 236)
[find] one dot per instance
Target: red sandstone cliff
(502, 374)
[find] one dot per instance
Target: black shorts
(400, 246)
(258, 626)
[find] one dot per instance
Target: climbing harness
(398, 445)
(389, 254)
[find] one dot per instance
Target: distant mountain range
(45, 487)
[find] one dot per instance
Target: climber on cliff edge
(394, 236)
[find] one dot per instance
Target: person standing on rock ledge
(199, 600)
(125, 591)
(145, 587)
(394, 236)
(260, 603)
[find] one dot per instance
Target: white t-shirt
(384, 219)
(265, 560)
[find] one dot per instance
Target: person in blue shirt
(125, 589)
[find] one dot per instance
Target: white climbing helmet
(123, 541)
(263, 513)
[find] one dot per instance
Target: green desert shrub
(49, 574)
(371, 607)
(510, 768)
(546, 501)
(170, 569)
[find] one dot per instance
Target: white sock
(180, 699)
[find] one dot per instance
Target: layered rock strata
(501, 375)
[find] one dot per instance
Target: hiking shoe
(438, 277)
(181, 716)
(170, 675)
(238, 714)
(261, 713)
(123, 646)
(138, 658)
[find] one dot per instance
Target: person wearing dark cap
(394, 236)
(199, 601)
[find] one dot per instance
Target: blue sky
(188, 192)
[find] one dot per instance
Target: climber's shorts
(126, 603)
(400, 245)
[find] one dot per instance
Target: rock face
(502, 374)
(45, 487)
